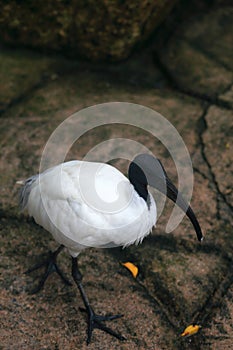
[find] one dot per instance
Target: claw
(96, 321)
(50, 267)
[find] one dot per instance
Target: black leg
(94, 321)
(51, 266)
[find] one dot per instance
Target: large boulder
(98, 30)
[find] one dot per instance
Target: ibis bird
(89, 204)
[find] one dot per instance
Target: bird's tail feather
(25, 190)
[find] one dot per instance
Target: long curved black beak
(146, 169)
(176, 197)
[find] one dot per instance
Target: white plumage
(59, 201)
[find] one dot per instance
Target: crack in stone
(209, 55)
(155, 300)
(214, 302)
(174, 84)
(228, 88)
(203, 127)
(25, 96)
(198, 171)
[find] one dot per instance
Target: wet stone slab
(180, 281)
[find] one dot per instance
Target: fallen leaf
(132, 268)
(190, 330)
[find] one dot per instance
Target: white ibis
(87, 204)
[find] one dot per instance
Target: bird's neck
(142, 190)
(138, 180)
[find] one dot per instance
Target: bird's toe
(98, 321)
(50, 264)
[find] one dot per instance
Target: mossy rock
(97, 30)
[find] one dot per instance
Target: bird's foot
(97, 321)
(50, 264)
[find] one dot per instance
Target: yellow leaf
(190, 330)
(132, 268)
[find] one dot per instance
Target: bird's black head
(147, 170)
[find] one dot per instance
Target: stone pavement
(189, 81)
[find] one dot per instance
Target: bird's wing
(79, 180)
(83, 191)
(96, 191)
